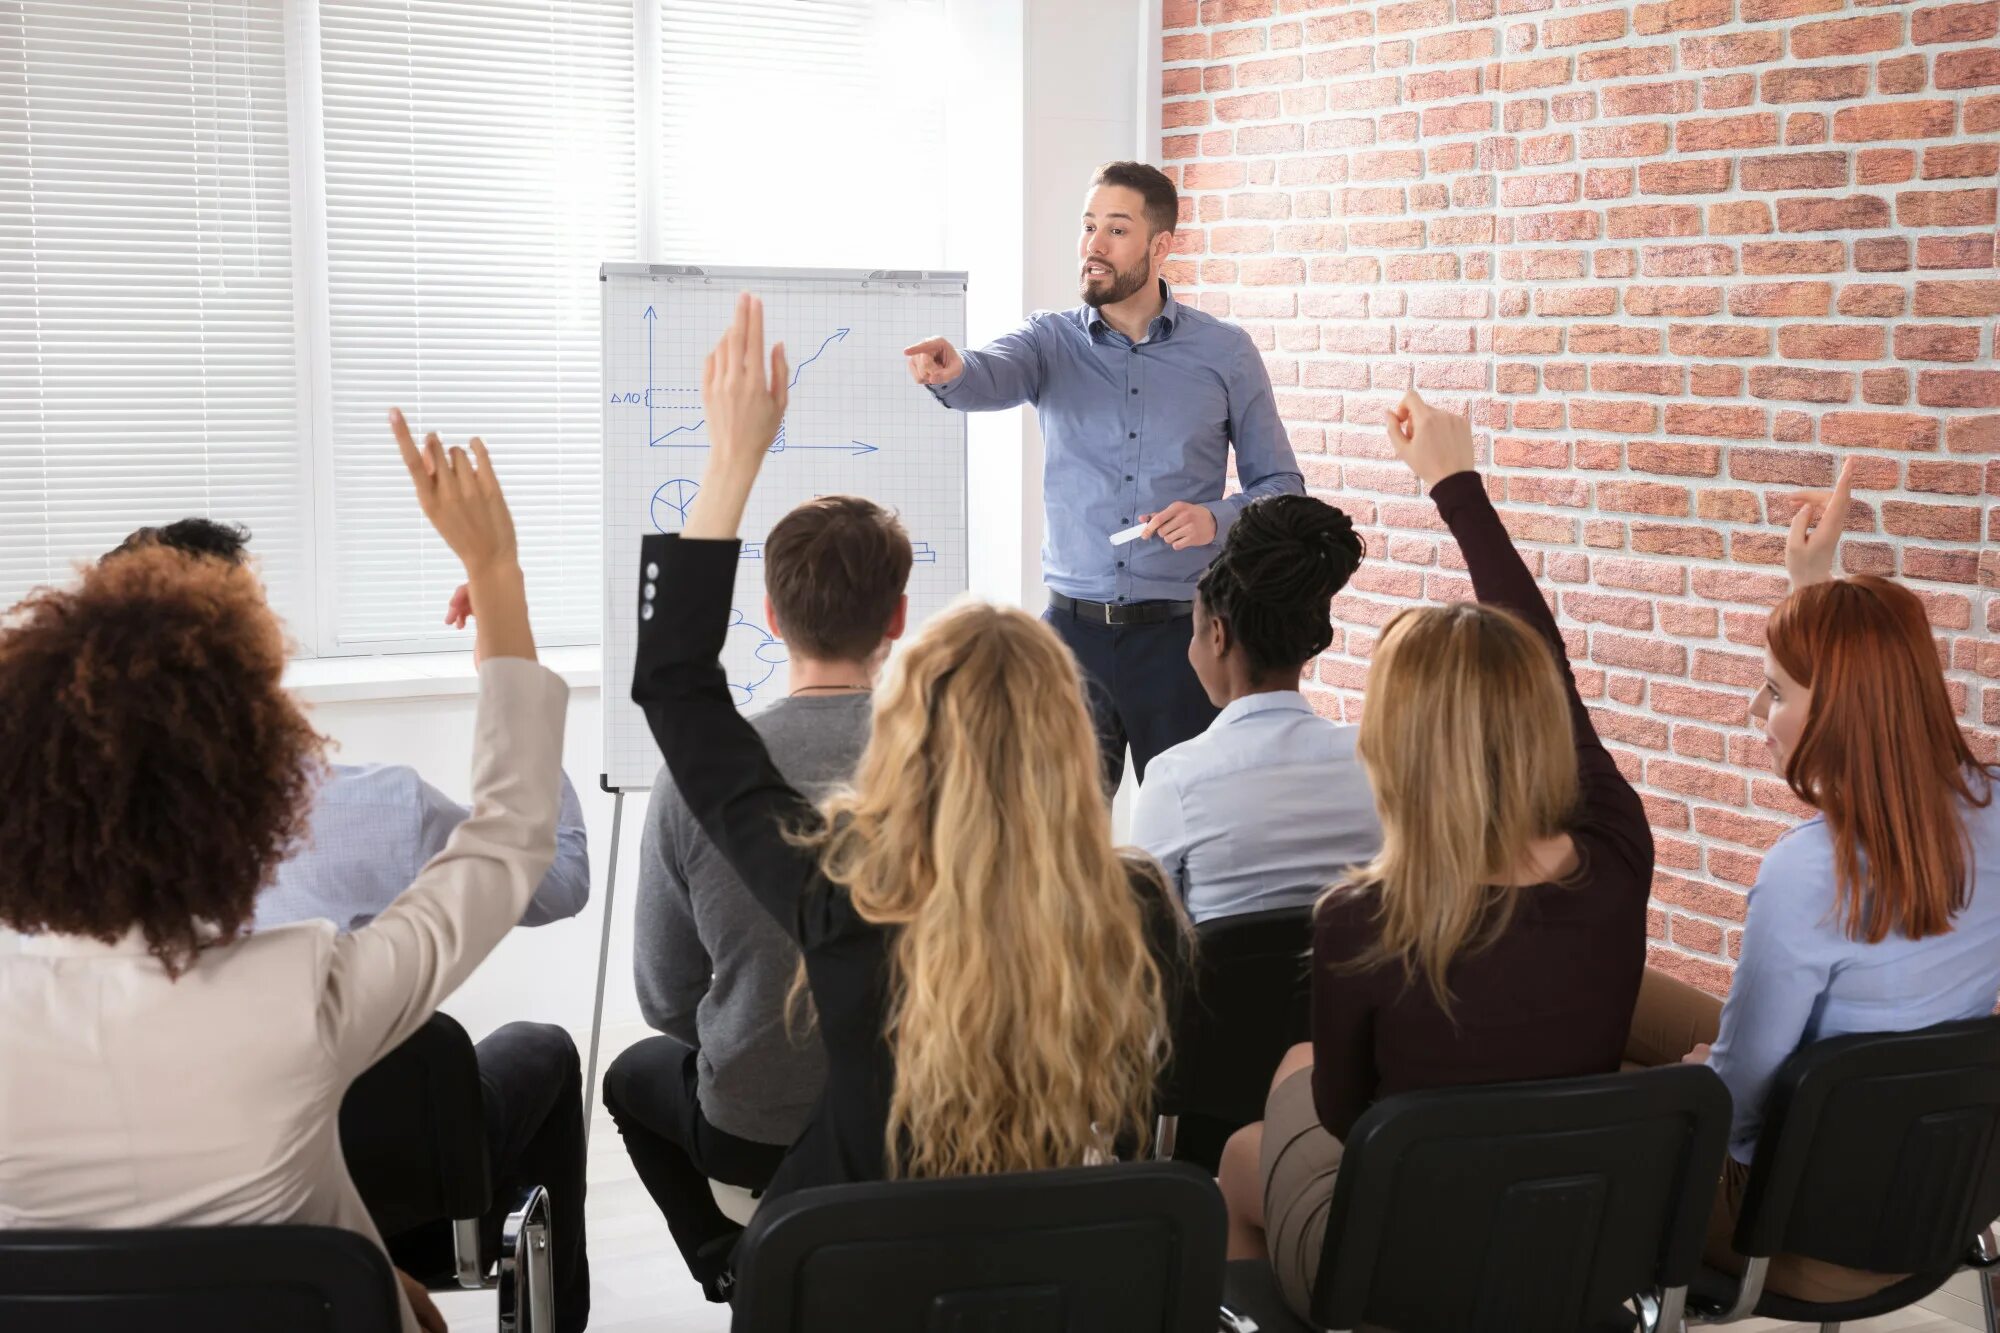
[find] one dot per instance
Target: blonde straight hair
(1465, 735)
(1027, 1013)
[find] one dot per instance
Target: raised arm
(1005, 373)
(1437, 446)
(717, 759)
(385, 979)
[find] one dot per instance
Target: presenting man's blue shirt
(1129, 429)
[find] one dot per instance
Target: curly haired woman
(164, 1067)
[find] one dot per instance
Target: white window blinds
(479, 166)
(146, 331)
(809, 133)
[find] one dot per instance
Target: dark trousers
(531, 1089)
(650, 1092)
(1142, 690)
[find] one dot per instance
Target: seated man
(728, 1088)
(373, 827)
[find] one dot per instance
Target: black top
(741, 801)
(1552, 996)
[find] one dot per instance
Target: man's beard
(1122, 284)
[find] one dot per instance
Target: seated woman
(1269, 805)
(164, 1067)
(990, 978)
(1882, 914)
(1501, 932)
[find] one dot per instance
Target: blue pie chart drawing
(670, 504)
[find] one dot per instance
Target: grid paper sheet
(856, 424)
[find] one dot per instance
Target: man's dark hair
(1286, 557)
(192, 536)
(1163, 202)
(835, 568)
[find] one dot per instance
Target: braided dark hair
(1286, 557)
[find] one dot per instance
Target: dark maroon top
(1551, 997)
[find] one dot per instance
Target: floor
(639, 1286)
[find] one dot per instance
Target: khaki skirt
(1300, 1162)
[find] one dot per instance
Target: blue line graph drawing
(657, 438)
(757, 650)
(670, 503)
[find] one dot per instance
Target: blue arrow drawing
(855, 447)
(799, 370)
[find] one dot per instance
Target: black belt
(1121, 613)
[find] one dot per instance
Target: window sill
(325, 680)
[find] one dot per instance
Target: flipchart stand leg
(603, 961)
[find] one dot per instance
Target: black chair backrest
(413, 1131)
(1251, 1001)
(1124, 1248)
(250, 1279)
(1522, 1205)
(1880, 1151)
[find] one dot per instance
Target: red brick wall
(1678, 259)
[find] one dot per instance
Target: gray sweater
(712, 968)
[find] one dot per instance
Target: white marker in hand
(1130, 534)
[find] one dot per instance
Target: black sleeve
(717, 759)
(1345, 1075)
(1610, 809)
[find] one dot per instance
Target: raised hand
(934, 361)
(1181, 525)
(1814, 540)
(1434, 444)
(744, 407)
(461, 497)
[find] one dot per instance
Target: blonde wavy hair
(1465, 735)
(1027, 1013)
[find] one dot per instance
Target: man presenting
(1140, 399)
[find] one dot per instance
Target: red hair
(1881, 754)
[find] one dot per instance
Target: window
(234, 232)
(147, 350)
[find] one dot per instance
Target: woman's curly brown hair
(155, 770)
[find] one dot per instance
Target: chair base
(1250, 1288)
(1714, 1292)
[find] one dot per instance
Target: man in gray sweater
(727, 1088)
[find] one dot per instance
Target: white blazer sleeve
(384, 980)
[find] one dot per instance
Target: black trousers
(1142, 690)
(531, 1086)
(650, 1092)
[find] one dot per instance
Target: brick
(1904, 74)
(1619, 418)
(1624, 62)
(1701, 176)
(1697, 622)
(1781, 298)
(1741, 585)
(1700, 340)
(1936, 342)
(1676, 539)
(1946, 479)
(1640, 575)
(1652, 220)
(1697, 780)
(1769, 258)
(1967, 69)
(1746, 217)
(1963, 298)
(1976, 435)
(1648, 654)
(1820, 83)
(1884, 166)
(1943, 252)
(1524, 75)
(1796, 171)
(1563, 226)
(1933, 522)
(1633, 613)
(1959, 388)
(1625, 140)
(1955, 23)
(1803, 127)
(1759, 129)
(1871, 300)
(1648, 99)
(1798, 384)
(1680, 460)
(1892, 120)
(1605, 25)
(1784, 467)
(1696, 896)
(1882, 254)
(1747, 48)
(1598, 340)
(1703, 974)
(1728, 423)
(1961, 161)
(1860, 211)
(1946, 208)
(1847, 37)
(1879, 430)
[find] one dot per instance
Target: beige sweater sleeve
(384, 980)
